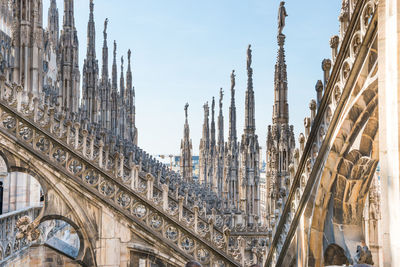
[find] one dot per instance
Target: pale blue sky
(184, 51)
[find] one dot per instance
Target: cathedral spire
(250, 154)
(91, 34)
(122, 81)
(122, 100)
(220, 120)
(114, 94)
(219, 168)
(250, 103)
(105, 88)
(204, 147)
(232, 111)
(130, 90)
(69, 60)
(281, 108)
(212, 131)
(186, 151)
(69, 20)
(280, 143)
(90, 94)
(105, 54)
(212, 152)
(114, 83)
(53, 23)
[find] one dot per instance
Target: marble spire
(204, 147)
(231, 178)
(131, 103)
(280, 142)
(220, 150)
(186, 166)
(114, 94)
(53, 23)
(250, 154)
(90, 94)
(69, 60)
(212, 150)
(105, 92)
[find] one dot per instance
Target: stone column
(389, 132)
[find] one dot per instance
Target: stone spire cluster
(280, 136)
(104, 103)
(232, 168)
(46, 64)
(186, 151)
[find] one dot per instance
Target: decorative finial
(221, 96)
(122, 63)
(281, 17)
(249, 57)
(91, 6)
(105, 29)
(213, 105)
(186, 110)
(129, 57)
(115, 48)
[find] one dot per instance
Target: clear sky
(184, 51)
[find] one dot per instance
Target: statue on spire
(105, 29)
(281, 17)
(221, 95)
(129, 57)
(249, 56)
(186, 110)
(233, 81)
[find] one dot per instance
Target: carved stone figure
(249, 57)
(363, 254)
(233, 80)
(281, 17)
(27, 229)
(186, 110)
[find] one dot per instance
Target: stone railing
(9, 243)
(357, 27)
(108, 171)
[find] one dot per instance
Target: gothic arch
(57, 201)
(77, 229)
(347, 173)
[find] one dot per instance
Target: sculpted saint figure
(233, 80)
(281, 17)
(249, 56)
(186, 110)
(221, 95)
(105, 29)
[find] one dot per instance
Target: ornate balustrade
(107, 170)
(9, 243)
(357, 26)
